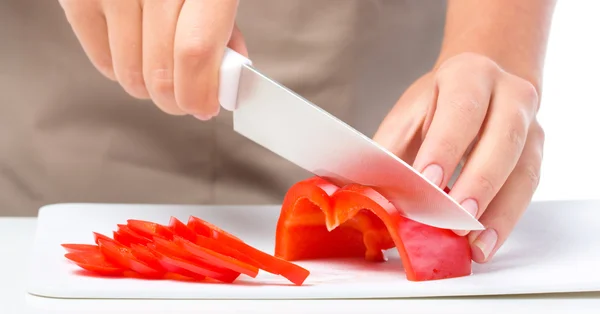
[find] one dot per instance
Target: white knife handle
(229, 78)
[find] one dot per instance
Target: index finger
(203, 31)
(464, 91)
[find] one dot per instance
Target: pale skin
(478, 102)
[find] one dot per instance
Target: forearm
(513, 33)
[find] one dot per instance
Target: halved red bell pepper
(320, 220)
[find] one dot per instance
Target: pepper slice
(145, 255)
(215, 258)
(149, 229)
(98, 236)
(262, 260)
(187, 260)
(320, 220)
(95, 261)
(130, 236)
(207, 229)
(182, 230)
(121, 255)
(214, 245)
(75, 247)
(177, 265)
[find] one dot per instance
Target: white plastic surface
(229, 78)
(554, 248)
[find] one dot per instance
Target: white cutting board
(554, 248)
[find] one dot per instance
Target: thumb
(237, 42)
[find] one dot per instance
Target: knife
(290, 126)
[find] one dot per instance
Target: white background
(570, 110)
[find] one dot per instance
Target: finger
(502, 139)
(514, 197)
(160, 24)
(464, 90)
(124, 20)
(203, 31)
(87, 21)
(400, 132)
(237, 42)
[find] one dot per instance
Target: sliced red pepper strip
(207, 229)
(98, 236)
(174, 251)
(150, 229)
(215, 258)
(269, 263)
(122, 256)
(262, 260)
(182, 230)
(218, 247)
(119, 237)
(367, 224)
(75, 247)
(178, 265)
(95, 261)
(145, 255)
(132, 236)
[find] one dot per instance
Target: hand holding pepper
(470, 99)
(480, 103)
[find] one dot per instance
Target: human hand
(469, 107)
(167, 51)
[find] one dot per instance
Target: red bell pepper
(321, 220)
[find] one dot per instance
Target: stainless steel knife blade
(290, 126)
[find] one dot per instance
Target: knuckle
(194, 50)
(540, 134)
(485, 184)
(484, 64)
(536, 134)
(525, 91)
(160, 81)
(532, 172)
(465, 106)
(516, 137)
(449, 149)
(518, 128)
(469, 62)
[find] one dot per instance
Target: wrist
(512, 33)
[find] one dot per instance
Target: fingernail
(484, 244)
(203, 117)
(470, 206)
(434, 173)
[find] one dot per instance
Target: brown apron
(69, 135)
